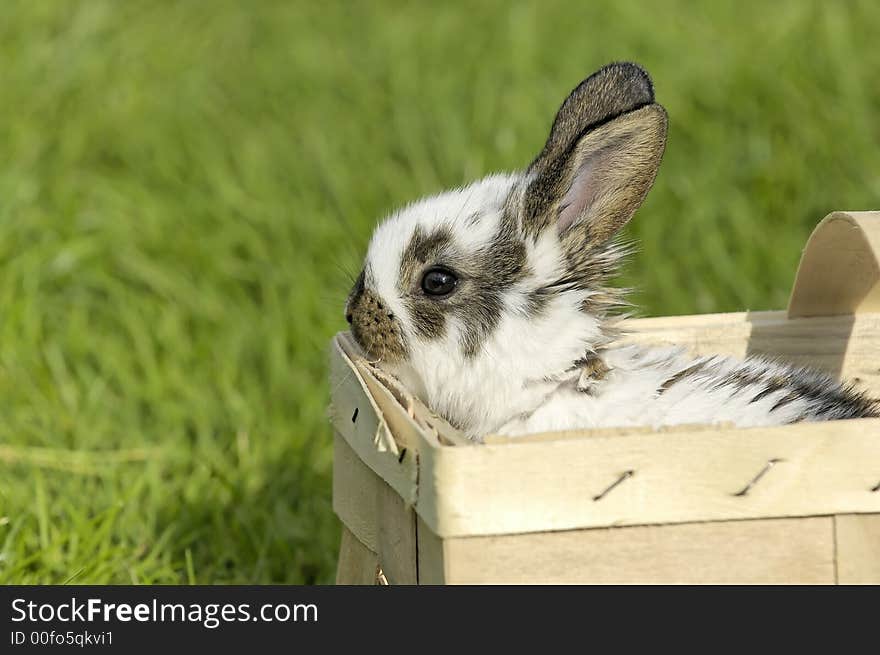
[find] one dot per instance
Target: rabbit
(492, 302)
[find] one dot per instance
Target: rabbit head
(479, 298)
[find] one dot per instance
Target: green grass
(184, 185)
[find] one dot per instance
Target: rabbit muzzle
(375, 327)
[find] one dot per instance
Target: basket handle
(839, 271)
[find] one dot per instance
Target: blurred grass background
(184, 185)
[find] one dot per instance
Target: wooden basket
(697, 504)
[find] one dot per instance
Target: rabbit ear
(611, 91)
(600, 160)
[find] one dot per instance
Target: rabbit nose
(349, 317)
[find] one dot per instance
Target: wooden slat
(839, 272)
(826, 468)
(357, 563)
(595, 433)
(847, 347)
(771, 551)
(432, 565)
(397, 538)
(858, 548)
(355, 499)
(375, 513)
(357, 418)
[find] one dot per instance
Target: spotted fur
(525, 341)
(651, 386)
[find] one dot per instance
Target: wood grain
(839, 271)
(358, 419)
(772, 551)
(431, 555)
(375, 514)
(357, 564)
(858, 548)
(679, 477)
(845, 346)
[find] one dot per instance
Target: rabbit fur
(492, 302)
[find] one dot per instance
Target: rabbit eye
(439, 282)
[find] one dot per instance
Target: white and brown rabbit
(491, 301)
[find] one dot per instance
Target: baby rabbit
(490, 302)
